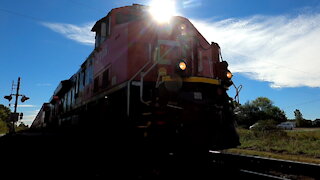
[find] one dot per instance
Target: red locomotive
(161, 82)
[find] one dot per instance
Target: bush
(265, 125)
(305, 143)
(268, 129)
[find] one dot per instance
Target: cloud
(191, 3)
(81, 34)
(29, 116)
(282, 50)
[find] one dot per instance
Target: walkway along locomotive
(162, 82)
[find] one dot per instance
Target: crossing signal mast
(15, 116)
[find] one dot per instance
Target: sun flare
(162, 10)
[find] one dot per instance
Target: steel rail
(262, 165)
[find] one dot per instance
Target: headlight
(183, 29)
(229, 75)
(182, 65)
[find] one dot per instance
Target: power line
(87, 6)
(303, 103)
(42, 20)
(22, 15)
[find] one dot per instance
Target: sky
(272, 46)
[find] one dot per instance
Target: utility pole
(14, 116)
(16, 104)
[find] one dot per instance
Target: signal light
(8, 97)
(24, 98)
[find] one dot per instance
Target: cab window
(124, 18)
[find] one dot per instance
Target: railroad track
(224, 165)
(254, 167)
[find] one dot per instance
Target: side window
(71, 97)
(96, 84)
(98, 39)
(103, 32)
(89, 75)
(84, 72)
(65, 102)
(105, 79)
(90, 72)
(124, 18)
(69, 101)
(82, 79)
(105, 29)
(78, 83)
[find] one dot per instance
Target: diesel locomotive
(160, 82)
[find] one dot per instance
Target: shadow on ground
(76, 155)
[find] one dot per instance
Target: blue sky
(272, 46)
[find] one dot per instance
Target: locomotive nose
(175, 84)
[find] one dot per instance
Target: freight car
(161, 82)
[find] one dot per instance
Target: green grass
(275, 155)
(304, 144)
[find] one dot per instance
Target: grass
(300, 145)
(275, 155)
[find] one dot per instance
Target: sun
(162, 10)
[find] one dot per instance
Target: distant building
(292, 122)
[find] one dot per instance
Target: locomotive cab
(172, 74)
(163, 81)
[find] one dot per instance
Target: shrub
(268, 129)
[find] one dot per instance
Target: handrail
(141, 82)
(133, 77)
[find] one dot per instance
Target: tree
(3, 127)
(262, 103)
(4, 115)
(246, 114)
(298, 118)
(22, 127)
(261, 108)
(276, 114)
(4, 112)
(316, 123)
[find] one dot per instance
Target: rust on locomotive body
(164, 80)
